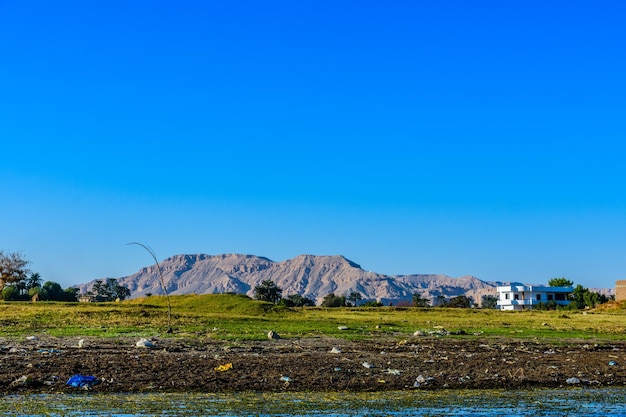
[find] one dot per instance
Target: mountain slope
(309, 275)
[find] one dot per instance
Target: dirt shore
(44, 364)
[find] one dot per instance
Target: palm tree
(419, 301)
(33, 281)
(268, 291)
(355, 297)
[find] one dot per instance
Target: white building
(524, 297)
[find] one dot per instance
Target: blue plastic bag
(83, 381)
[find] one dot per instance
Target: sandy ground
(45, 364)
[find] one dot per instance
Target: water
(571, 402)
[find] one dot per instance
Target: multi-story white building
(524, 297)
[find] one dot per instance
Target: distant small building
(86, 298)
(525, 297)
(620, 290)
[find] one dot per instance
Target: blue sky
(477, 138)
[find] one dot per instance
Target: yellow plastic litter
(223, 368)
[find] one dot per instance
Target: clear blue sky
(480, 138)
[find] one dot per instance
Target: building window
(516, 296)
(538, 297)
(550, 297)
(507, 296)
(559, 297)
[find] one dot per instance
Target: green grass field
(236, 317)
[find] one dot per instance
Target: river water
(566, 402)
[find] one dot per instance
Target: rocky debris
(198, 364)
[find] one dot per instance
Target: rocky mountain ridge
(312, 276)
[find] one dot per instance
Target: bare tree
(13, 268)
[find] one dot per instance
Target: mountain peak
(313, 276)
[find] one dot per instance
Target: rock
(272, 335)
(419, 333)
(573, 381)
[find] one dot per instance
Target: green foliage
(109, 290)
(581, 297)
(489, 301)
(237, 317)
(11, 293)
(268, 291)
(332, 300)
(460, 301)
(354, 297)
(419, 301)
(33, 281)
(297, 300)
(373, 304)
(560, 282)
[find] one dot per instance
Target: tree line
(19, 283)
(580, 298)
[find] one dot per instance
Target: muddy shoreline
(44, 364)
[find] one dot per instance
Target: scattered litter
(335, 350)
(419, 333)
(367, 365)
(285, 379)
(421, 380)
(81, 343)
(145, 343)
(343, 327)
(224, 368)
(272, 335)
(393, 371)
(31, 337)
(382, 381)
(83, 381)
(51, 380)
(382, 352)
(612, 363)
(23, 380)
(572, 380)
(337, 369)
(48, 351)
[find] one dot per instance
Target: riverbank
(44, 364)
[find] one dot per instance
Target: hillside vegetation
(237, 317)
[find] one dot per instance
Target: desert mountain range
(309, 275)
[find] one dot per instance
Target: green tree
(560, 282)
(13, 268)
(419, 301)
(460, 301)
(297, 300)
(33, 281)
(440, 301)
(71, 294)
(52, 291)
(489, 301)
(354, 297)
(268, 291)
(11, 293)
(332, 300)
(109, 290)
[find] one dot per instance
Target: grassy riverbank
(236, 317)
